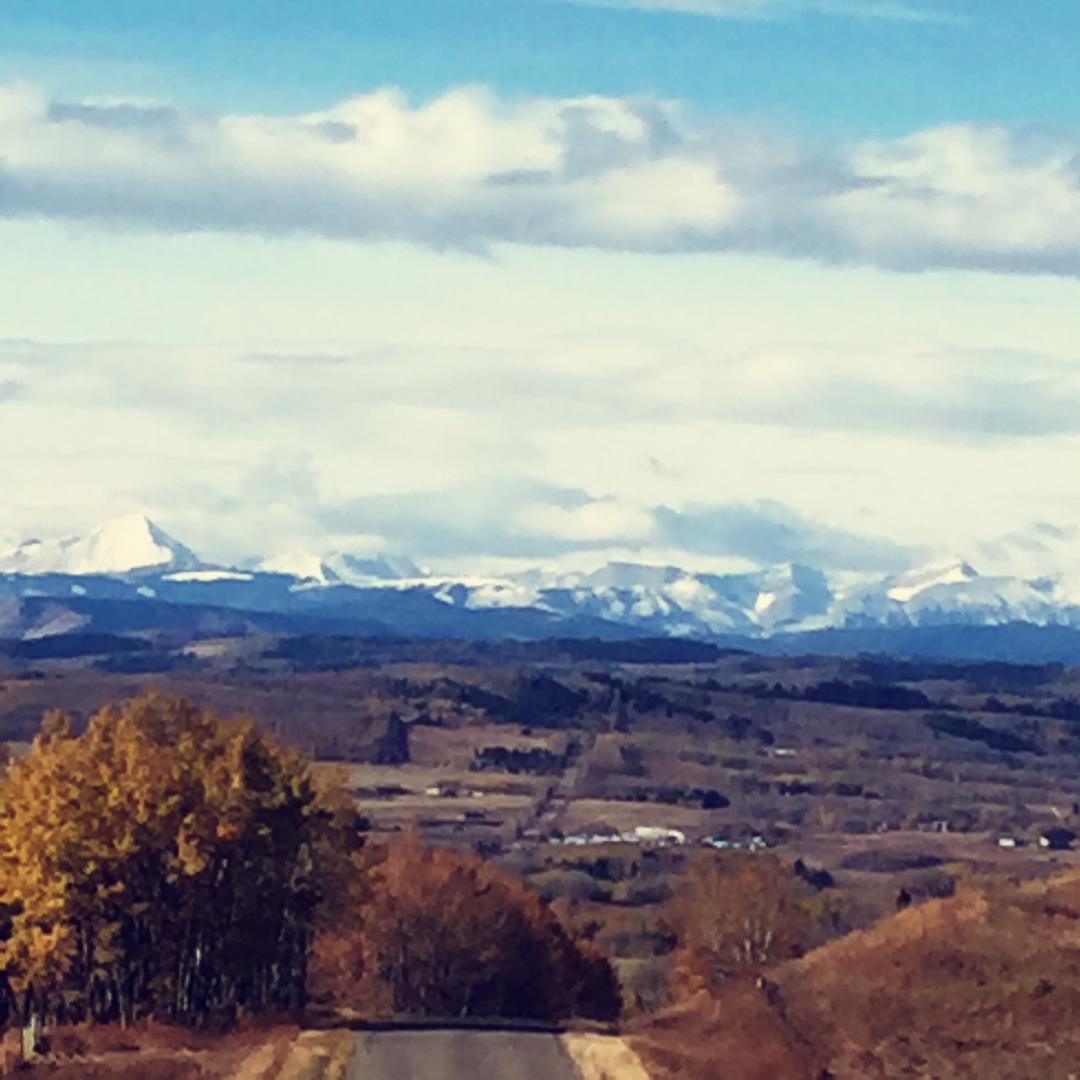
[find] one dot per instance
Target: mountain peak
(341, 568)
(909, 585)
(122, 545)
(133, 527)
(133, 542)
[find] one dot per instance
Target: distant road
(460, 1055)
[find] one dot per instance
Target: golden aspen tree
(166, 862)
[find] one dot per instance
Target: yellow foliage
(164, 861)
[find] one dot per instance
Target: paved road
(460, 1055)
(564, 789)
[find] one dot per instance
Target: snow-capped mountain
(664, 599)
(132, 559)
(341, 568)
(124, 545)
(953, 593)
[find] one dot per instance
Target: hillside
(985, 984)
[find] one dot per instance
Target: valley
(584, 756)
(594, 770)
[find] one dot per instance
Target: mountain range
(130, 575)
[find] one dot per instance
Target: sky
(494, 283)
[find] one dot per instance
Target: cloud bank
(468, 170)
(593, 384)
(531, 520)
(590, 447)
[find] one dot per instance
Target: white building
(655, 834)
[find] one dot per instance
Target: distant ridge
(132, 561)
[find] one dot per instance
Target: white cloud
(475, 402)
(593, 444)
(468, 170)
(600, 519)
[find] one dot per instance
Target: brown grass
(603, 1057)
(319, 1055)
(582, 813)
(160, 1052)
(985, 985)
(737, 1037)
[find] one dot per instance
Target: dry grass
(984, 986)
(582, 813)
(981, 986)
(158, 1052)
(155, 1052)
(738, 1037)
(319, 1055)
(453, 747)
(977, 848)
(603, 1057)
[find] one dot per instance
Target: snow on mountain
(953, 593)
(985, 600)
(209, 575)
(124, 545)
(790, 595)
(780, 599)
(651, 599)
(298, 563)
(908, 586)
(658, 599)
(483, 593)
(340, 568)
(667, 599)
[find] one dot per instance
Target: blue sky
(494, 281)
(984, 59)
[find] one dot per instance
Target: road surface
(460, 1055)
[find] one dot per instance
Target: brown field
(581, 815)
(453, 747)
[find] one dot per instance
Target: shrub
(641, 893)
(714, 800)
(570, 885)
(733, 916)
(962, 727)
(438, 933)
(815, 876)
(876, 861)
(933, 885)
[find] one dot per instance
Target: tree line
(174, 864)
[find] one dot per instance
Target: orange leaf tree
(447, 934)
(735, 915)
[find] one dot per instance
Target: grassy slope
(984, 986)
